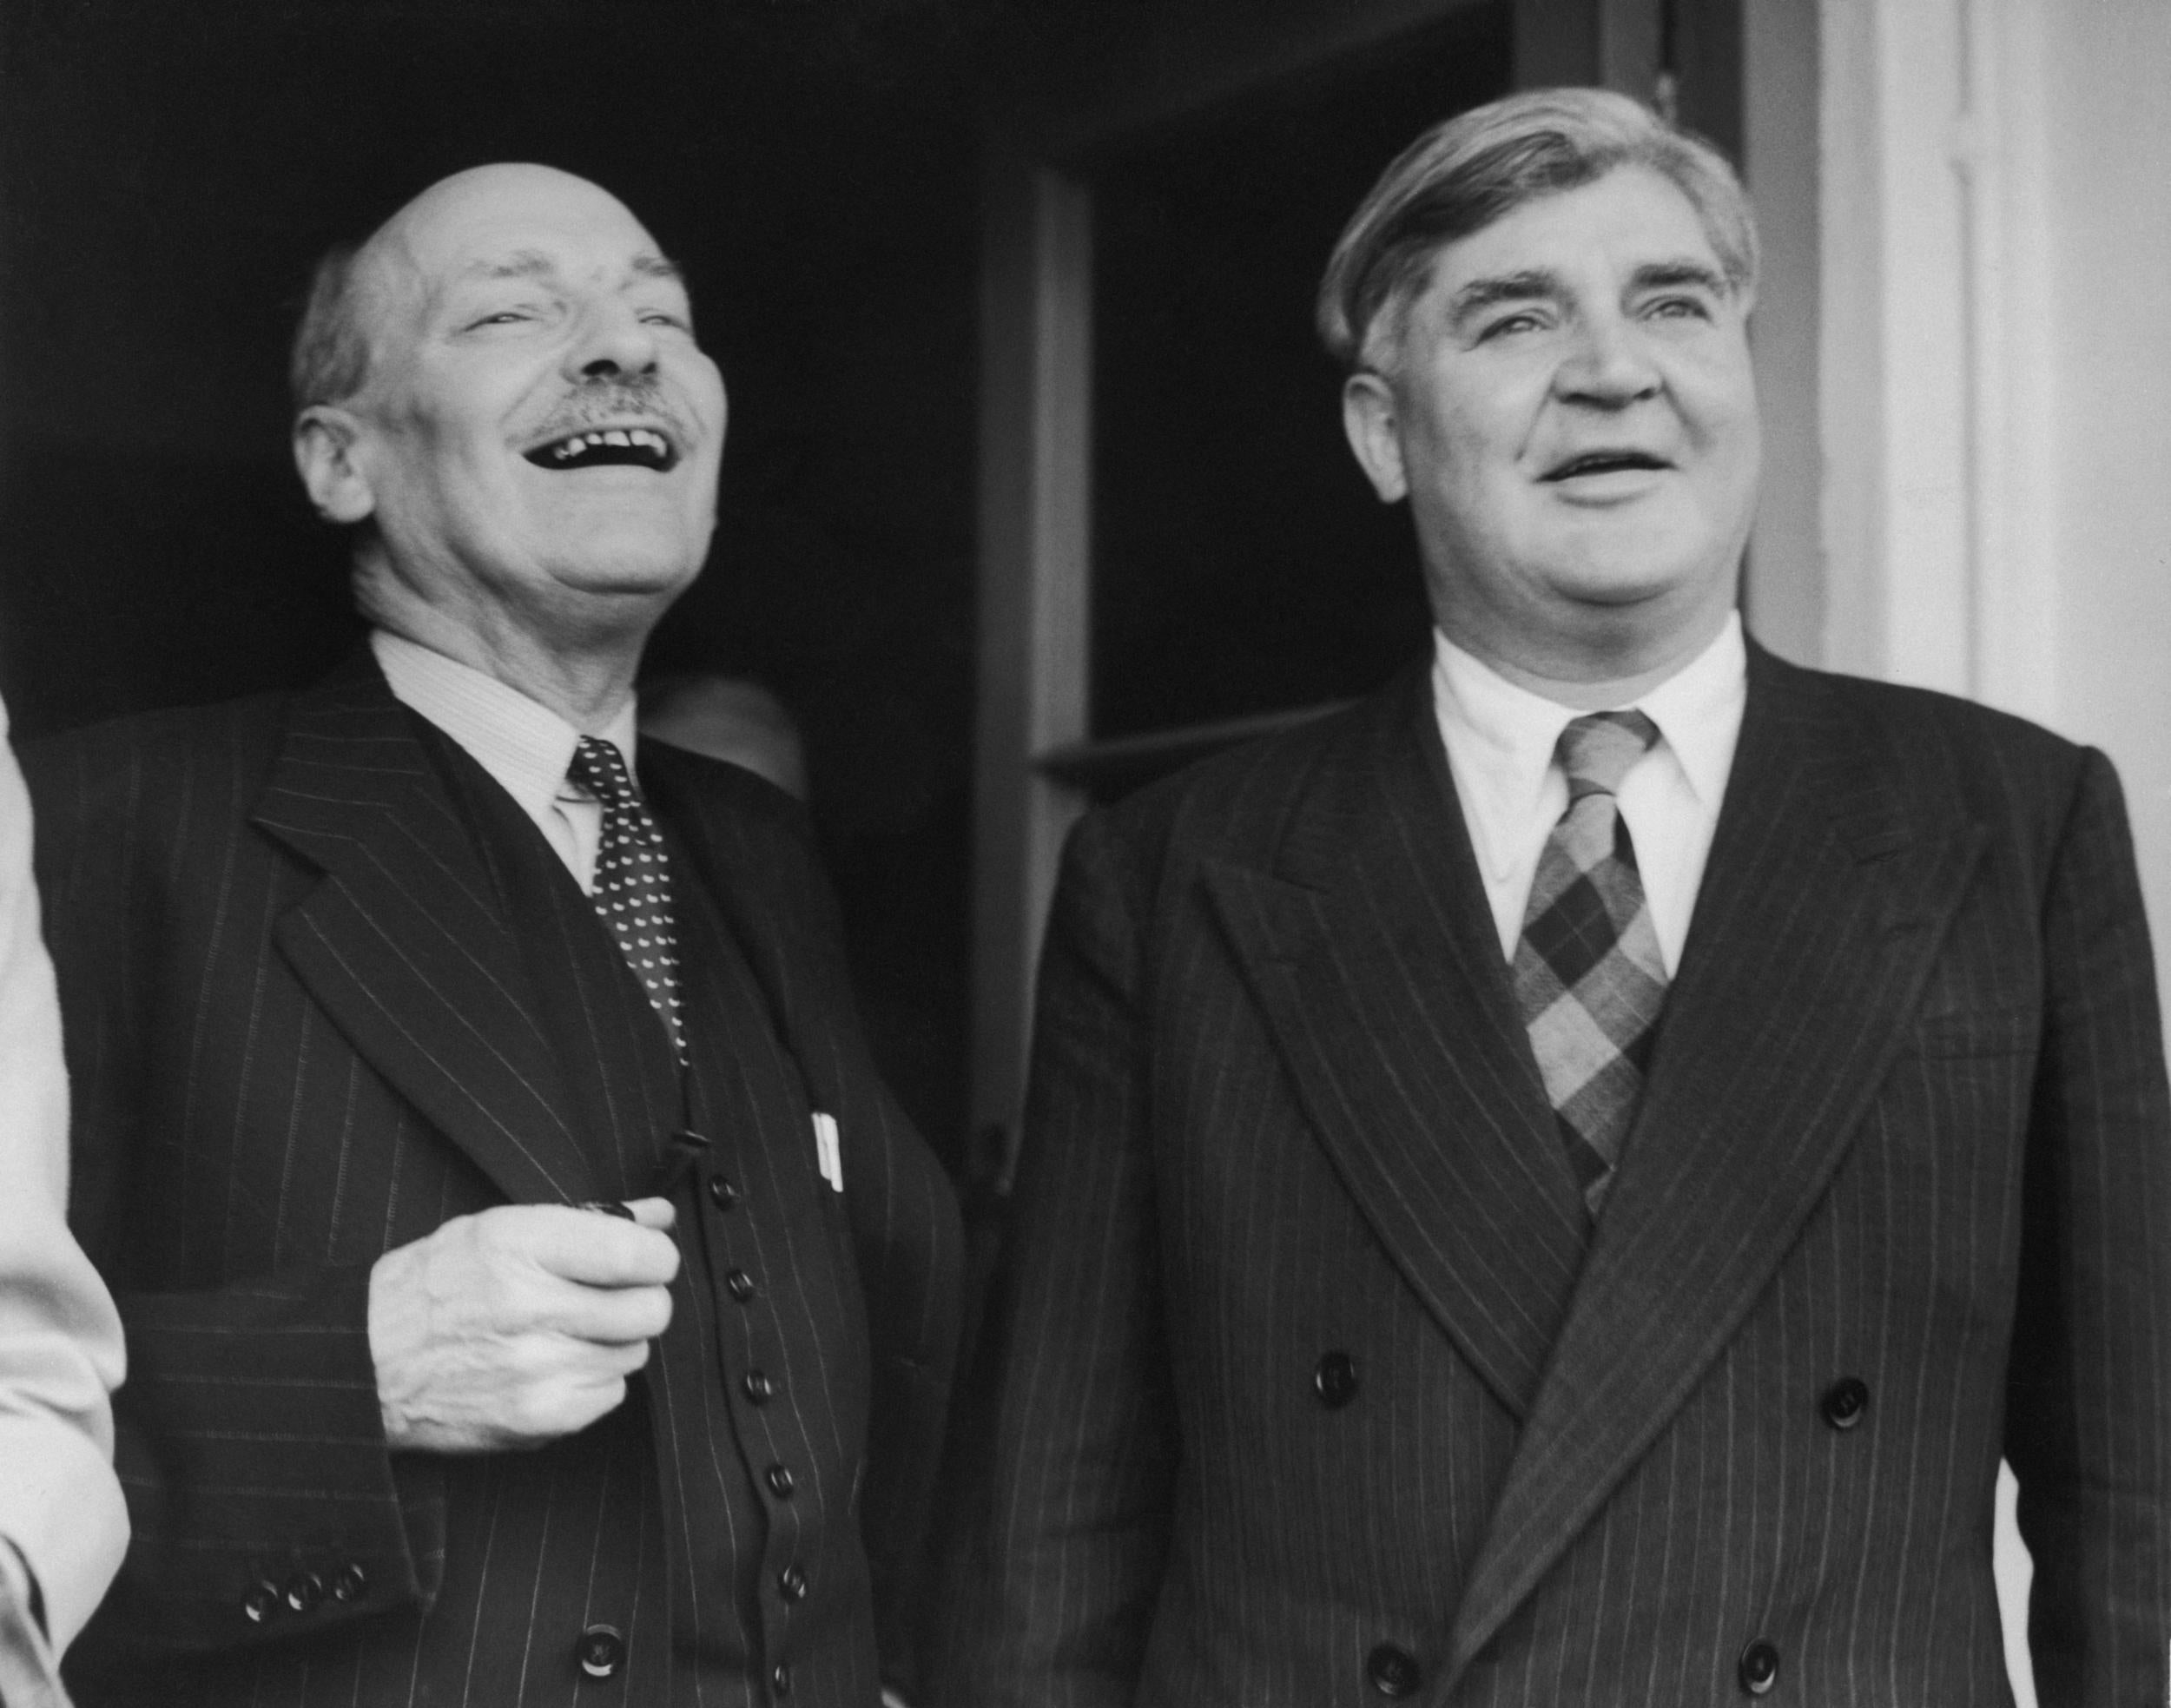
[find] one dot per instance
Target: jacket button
(739, 1283)
(1844, 1402)
(780, 1679)
(1758, 1668)
(304, 1591)
(1393, 1672)
(758, 1388)
(780, 1483)
(600, 1651)
(722, 1192)
(792, 1582)
(1336, 1381)
(348, 1583)
(261, 1602)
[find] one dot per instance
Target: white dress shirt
(1501, 738)
(524, 745)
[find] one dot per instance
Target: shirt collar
(524, 745)
(1512, 732)
(1698, 711)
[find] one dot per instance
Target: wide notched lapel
(404, 943)
(759, 879)
(1370, 947)
(1820, 912)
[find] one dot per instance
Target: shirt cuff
(60, 1507)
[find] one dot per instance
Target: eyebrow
(1533, 284)
(1660, 275)
(1538, 284)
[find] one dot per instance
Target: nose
(1609, 364)
(614, 343)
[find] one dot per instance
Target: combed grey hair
(1464, 173)
(330, 359)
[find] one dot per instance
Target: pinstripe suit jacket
(299, 980)
(1906, 1124)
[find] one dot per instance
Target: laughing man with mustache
(532, 1294)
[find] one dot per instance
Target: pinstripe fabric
(324, 988)
(1906, 1123)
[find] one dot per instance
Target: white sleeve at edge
(60, 1338)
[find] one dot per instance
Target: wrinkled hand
(518, 1325)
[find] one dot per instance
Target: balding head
(357, 285)
(502, 383)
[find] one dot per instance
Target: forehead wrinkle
(536, 264)
(521, 264)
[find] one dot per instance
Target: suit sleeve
(248, 1440)
(2089, 1398)
(60, 1338)
(1072, 1433)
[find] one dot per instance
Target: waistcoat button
(600, 1650)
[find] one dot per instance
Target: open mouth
(1605, 462)
(601, 448)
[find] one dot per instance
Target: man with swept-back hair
(532, 1293)
(1558, 1183)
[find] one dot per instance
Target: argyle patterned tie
(1588, 975)
(633, 879)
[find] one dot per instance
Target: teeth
(567, 449)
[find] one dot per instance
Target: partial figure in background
(63, 1525)
(1557, 1184)
(731, 718)
(380, 992)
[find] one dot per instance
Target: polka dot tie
(633, 879)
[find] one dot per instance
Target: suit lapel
(1371, 949)
(404, 943)
(758, 881)
(1820, 912)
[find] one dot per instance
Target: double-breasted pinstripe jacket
(325, 988)
(1311, 1386)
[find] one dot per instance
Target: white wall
(1994, 372)
(1995, 361)
(2107, 345)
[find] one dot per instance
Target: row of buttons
(760, 1389)
(302, 1593)
(1335, 1381)
(1395, 1673)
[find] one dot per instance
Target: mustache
(597, 401)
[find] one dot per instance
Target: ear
(324, 439)
(1374, 433)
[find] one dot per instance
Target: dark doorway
(1241, 564)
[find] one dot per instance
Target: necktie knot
(1597, 749)
(599, 768)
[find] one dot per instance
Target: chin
(617, 560)
(1614, 587)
